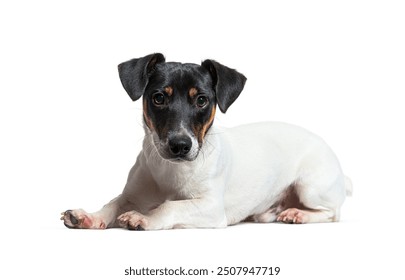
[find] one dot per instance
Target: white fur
(239, 172)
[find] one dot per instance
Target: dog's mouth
(180, 159)
(166, 155)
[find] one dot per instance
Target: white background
(70, 133)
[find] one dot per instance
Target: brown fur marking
(169, 90)
(201, 130)
(192, 92)
(147, 119)
(291, 199)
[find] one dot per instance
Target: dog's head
(179, 100)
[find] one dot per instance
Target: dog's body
(190, 174)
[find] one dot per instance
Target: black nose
(180, 146)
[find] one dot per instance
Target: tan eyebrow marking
(192, 92)
(169, 90)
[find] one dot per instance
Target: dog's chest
(177, 181)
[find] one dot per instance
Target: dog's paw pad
(80, 219)
(132, 220)
(292, 216)
(69, 219)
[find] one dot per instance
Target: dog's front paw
(81, 219)
(133, 220)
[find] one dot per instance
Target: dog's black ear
(134, 74)
(228, 83)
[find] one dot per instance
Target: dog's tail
(348, 186)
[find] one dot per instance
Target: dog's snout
(180, 146)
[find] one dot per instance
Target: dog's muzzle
(177, 147)
(180, 147)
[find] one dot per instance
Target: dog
(191, 174)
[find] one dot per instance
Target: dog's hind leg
(319, 196)
(299, 216)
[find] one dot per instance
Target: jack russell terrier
(191, 174)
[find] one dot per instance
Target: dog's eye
(202, 101)
(158, 99)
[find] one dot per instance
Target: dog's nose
(180, 146)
